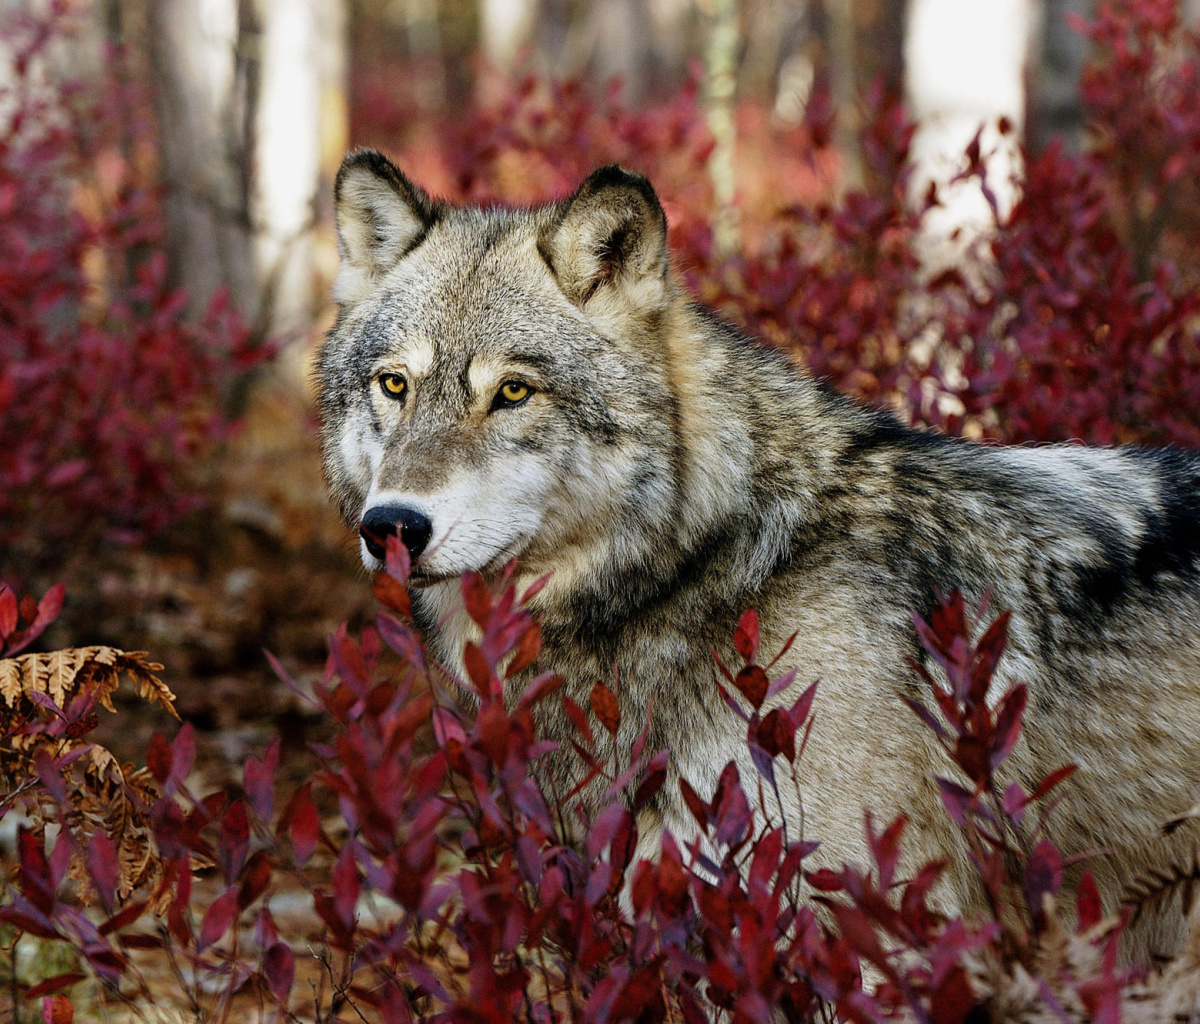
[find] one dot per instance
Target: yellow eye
(514, 391)
(393, 384)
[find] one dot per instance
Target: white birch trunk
(504, 27)
(201, 95)
(965, 64)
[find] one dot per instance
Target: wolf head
(495, 384)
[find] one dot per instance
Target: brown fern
(1180, 874)
(103, 794)
(62, 674)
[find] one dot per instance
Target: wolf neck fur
(724, 529)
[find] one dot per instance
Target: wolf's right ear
(609, 241)
(381, 216)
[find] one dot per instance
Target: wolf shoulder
(1078, 529)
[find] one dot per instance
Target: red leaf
(217, 919)
(578, 719)
(527, 651)
(346, 887)
(1043, 874)
(730, 808)
(397, 561)
(539, 689)
(1014, 801)
(987, 656)
(57, 1010)
(279, 970)
(55, 984)
(24, 923)
(124, 916)
(255, 879)
(393, 594)
(855, 927)
(534, 589)
(697, 806)
(953, 1000)
(752, 683)
(158, 758)
(1052, 780)
(478, 670)
(34, 877)
(259, 780)
(65, 473)
(605, 708)
(139, 941)
(104, 868)
(183, 753)
(38, 616)
(766, 856)
(179, 921)
(745, 635)
(1088, 907)
(824, 880)
(656, 775)
(233, 840)
(956, 800)
(303, 825)
(266, 932)
(885, 849)
(777, 734)
(672, 879)
(1008, 724)
(476, 598)
(971, 755)
(8, 611)
(493, 731)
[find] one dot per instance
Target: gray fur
(670, 473)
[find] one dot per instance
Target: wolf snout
(385, 521)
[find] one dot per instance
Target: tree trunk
(204, 94)
(504, 27)
(1060, 52)
(965, 67)
(720, 80)
(245, 91)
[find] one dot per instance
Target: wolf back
(536, 384)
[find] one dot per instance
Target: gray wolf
(536, 384)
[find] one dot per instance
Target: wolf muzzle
(385, 521)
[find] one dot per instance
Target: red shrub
(108, 392)
(1067, 342)
(481, 909)
(1143, 97)
(1087, 328)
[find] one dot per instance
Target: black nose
(383, 521)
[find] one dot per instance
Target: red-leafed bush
(109, 393)
(441, 886)
(1067, 341)
(1142, 92)
(1089, 329)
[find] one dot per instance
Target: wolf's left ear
(381, 216)
(610, 237)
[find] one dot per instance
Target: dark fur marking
(1171, 544)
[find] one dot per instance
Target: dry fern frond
(100, 794)
(1190, 814)
(1180, 875)
(62, 674)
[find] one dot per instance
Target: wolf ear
(381, 215)
(610, 238)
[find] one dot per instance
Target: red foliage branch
(109, 393)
